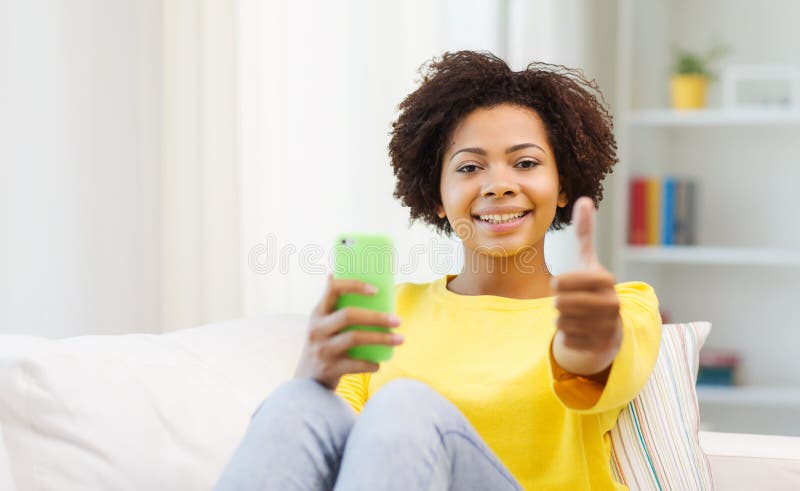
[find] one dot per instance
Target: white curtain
(180, 136)
(80, 137)
(319, 89)
(201, 277)
(317, 85)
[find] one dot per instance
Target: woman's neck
(503, 276)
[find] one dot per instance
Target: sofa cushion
(143, 411)
(6, 481)
(138, 411)
(655, 444)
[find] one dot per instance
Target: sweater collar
(438, 289)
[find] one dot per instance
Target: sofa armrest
(744, 461)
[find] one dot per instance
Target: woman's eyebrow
(511, 149)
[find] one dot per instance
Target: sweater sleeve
(354, 388)
(630, 370)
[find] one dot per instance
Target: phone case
(368, 258)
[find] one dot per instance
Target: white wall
(81, 177)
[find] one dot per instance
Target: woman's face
(498, 165)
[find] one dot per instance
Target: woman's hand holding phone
(324, 357)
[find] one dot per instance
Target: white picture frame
(736, 77)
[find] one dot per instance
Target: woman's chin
(505, 246)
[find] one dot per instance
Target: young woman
(507, 377)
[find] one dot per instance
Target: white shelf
(713, 255)
(783, 397)
(741, 155)
(714, 117)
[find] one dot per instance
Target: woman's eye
(530, 163)
(468, 166)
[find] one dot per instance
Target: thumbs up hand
(589, 328)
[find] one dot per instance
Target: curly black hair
(579, 126)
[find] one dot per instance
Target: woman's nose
(498, 184)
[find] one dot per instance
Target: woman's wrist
(589, 364)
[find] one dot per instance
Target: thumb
(583, 217)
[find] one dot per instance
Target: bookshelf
(741, 272)
(788, 397)
(714, 117)
(742, 256)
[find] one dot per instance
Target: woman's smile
(498, 223)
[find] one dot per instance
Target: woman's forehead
(498, 126)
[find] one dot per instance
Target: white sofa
(142, 411)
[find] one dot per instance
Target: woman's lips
(502, 227)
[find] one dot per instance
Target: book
(680, 214)
(668, 211)
(637, 233)
(691, 212)
(653, 213)
(661, 211)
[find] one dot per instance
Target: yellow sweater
(490, 356)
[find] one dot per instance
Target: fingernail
(370, 289)
(394, 320)
(398, 338)
(554, 283)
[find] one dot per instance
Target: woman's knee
(301, 403)
(407, 392)
(406, 403)
(300, 425)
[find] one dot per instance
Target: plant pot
(689, 91)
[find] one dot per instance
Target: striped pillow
(655, 443)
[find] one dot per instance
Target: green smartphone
(368, 258)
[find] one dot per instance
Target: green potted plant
(691, 75)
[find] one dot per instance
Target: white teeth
(501, 218)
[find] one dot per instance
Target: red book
(637, 225)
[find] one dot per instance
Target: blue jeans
(407, 437)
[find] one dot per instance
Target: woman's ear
(440, 212)
(562, 199)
